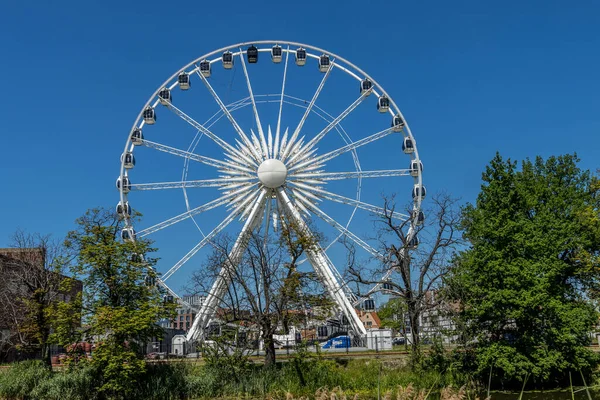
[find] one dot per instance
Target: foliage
(225, 361)
(392, 314)
(521, 284)
(118, 309)
(28, 290)
(21, 378)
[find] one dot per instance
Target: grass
(310, 378)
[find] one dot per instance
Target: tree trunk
(269, 350)
(414, 315)
(269, 344)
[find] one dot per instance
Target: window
(187, 317)
(369, 323)
(181, 317)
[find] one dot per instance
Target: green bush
(22, 378)
(76, 384)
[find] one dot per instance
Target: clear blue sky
(471, 77)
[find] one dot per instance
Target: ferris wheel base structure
(283, 173)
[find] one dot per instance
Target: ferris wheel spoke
(325, 217)
(196, 157)
(232, 120)
(324, 194)
(224, 145)
(344, 149)
(229, 219)
(332, 176)
(254, 109)
(294, 136)
(220, 182)
(219, 287)
(278, 129)
(267, 219)
(188, 214)
(335, 286)
(313, 142)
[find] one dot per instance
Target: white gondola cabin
(324, 63)
(252, 54)
(418, 217)
(383, 104)
(149, 116)
(168, 298)
(123, 211)
(137, 137)
(184, 81)
(205, 68)
(128, 160)
(413, 243)
(397, 123)
(408, 146)
(128, 234)
(227, 60)
(300, 56)
(418, 192)
(126, 183)
(137, 258)
(150, 280)
(164, 96)
(369, 305)
(416, 167)
(276, 54)
(366, 87)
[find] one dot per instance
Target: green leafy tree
(119, 310)
(590, 259)
(521, 284)
(392, 314)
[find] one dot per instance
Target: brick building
(23, 272)
(187, 312)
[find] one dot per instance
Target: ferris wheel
(273, 130)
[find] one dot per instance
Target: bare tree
(30, 284)
(414, 274)
(267, 292)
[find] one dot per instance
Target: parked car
(340, 342)
(397, 341)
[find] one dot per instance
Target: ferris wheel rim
(394, 109)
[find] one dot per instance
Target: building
(370, 319)
(186, 312)
(435, 320)
(25, 272)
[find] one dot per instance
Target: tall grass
(309, 378)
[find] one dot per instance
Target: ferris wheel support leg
(323, 267)
(219, 287)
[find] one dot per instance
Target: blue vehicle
(340, 342)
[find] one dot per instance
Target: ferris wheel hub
(272, 173)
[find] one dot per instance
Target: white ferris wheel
(259, 131)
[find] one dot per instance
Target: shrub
(22, 378)
(76, 384)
